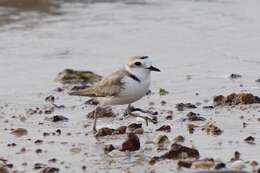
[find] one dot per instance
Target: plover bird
(124, 86)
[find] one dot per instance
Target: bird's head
(140, 65)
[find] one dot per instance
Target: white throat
(141, 73)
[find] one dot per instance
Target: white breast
(132, 91)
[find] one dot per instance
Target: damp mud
(200, 46)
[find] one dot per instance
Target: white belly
(131, 92)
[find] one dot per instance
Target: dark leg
(95, 121)
(130, 111)
(133, 109)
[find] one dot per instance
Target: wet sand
(205, 40)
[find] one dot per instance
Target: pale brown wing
(109, 86)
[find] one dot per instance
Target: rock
(165, 128)
(179, 139)
(191, 116)
(75, 150)
(38, 141)
(38, 166)
(4, 170)
(108, 148)
(58, 118)
(50, 170)
(179, 151)
(236, 99)
(203, 164)
(69, 76)
(91, 102)
(160, 139)
(162, 142)
(138, 131)
(176, 152)
(191, 127)
(163, 102)
(50, 99)
(250, 140)
(168, 117)
(185, 164)
(105, 131)
(235, 76)
(132, 143)
(208, 107)
(153, 160)
(102, 112)
(254, 163)
(220, 165)
(163, 92)
(236, 156)
(18, 132)
(183, 106)
(212, 129)
(134, 126)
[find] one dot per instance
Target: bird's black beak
(152, 68)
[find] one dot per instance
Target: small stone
(183, 106)
(220, 165)
(134, 126)
(84, 168)
(50, 170)
(58, 118)
(19, 132)
(58, 131)
(138, 131)
(178, 151)
(153, 160)
(165, 128)
(179, 139)
(250, 140)
(108, 148)
(105, 131)
(236, 156)
(191, 116)
(38, 151)
(53, 160)
(168, 117)
(184, 164)
(235, 76)
(75, 150)
(38, 166)
(91, 102)
(38, 141)
(46, 134)
(163, 103)
(163, 92)
(50, 98)
(131, 144)
(253, 163)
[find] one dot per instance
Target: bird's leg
(133, 109)
(130, 111)
(95, 121)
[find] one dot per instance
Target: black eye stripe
(143, 57)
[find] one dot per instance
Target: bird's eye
(138, 64)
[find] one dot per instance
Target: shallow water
(207, 39)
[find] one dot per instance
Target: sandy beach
(197, 44)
